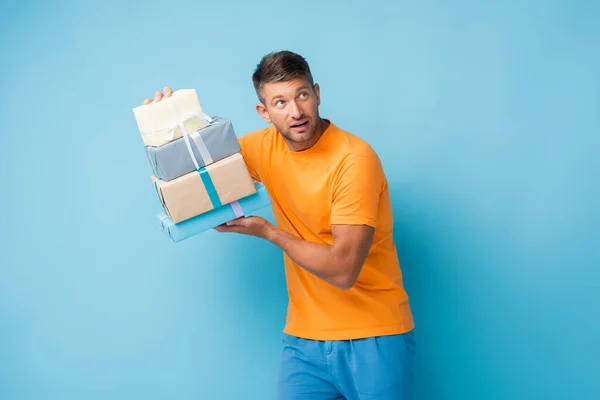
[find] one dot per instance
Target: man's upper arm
(354, 212)
(351, 245)
(356, 191)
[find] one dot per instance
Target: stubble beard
(289, 134)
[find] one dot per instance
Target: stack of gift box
(200, 176)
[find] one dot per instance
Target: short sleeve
(356, 191)
(250, 146)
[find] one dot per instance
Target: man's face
(293, 108)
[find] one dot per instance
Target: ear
(317, 90)
(262, 111)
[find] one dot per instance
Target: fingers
(158, 95)
(240, 221)
(231, 228)
(227, 229)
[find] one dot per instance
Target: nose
(295, 111)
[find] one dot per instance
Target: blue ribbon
(210, 187)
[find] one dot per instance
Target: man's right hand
(158, 95)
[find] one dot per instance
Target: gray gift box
(210, 144)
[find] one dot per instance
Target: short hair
(280, 66)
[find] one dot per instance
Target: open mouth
(300, 125)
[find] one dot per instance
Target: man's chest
(303, 192)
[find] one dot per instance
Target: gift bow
(200, 145)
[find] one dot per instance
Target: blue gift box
(210, 144)
(210, 219)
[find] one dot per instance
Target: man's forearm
(318, 258)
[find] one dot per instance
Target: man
(349, 328)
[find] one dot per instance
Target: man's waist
(388, 311)
(347, 332)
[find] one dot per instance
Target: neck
(296, 147)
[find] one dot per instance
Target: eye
(279, 103)
(303, 95)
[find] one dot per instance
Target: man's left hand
(253, 226)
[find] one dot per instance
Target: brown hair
(279, 67)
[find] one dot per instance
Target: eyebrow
(301, 88)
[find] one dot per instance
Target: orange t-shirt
(339, 180)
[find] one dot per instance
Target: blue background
(486, 118)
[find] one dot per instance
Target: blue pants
(376, 368)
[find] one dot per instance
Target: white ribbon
(162, 224)
(200, 145)
(202, 148)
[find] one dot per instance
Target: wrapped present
(193, 151)
(201, 223)
(166, 120)
(208, 188)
